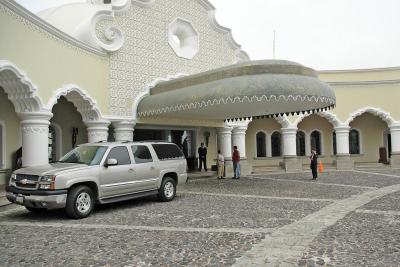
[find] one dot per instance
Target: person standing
(236, 163)
(314, 164)
(202, 156)
(221, 165)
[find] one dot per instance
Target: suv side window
(168, 151)
(120, 153)
(141, 154)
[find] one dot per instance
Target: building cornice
(359, 70)
(26, 14)
(376, 82)
(241, 55)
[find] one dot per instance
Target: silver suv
(100, 173)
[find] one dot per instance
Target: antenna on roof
(273, 47)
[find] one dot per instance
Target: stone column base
(343, 162)
(291, 164)
(395, 160)
(228, 169)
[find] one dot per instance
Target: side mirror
(111, 162)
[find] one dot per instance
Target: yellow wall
(371, 129)
(51, 62)
(268, 126)
(315, 122)
(12, 132)
(59, 110)
(352, 97)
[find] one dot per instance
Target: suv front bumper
(37, 198)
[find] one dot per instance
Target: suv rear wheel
(167, 190)
(80, 202)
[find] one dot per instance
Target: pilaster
(123, 130)
(97, 130)
(290, 161)
(343, 160)
(35, 137)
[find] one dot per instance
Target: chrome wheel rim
(83, 202)
(169, 189)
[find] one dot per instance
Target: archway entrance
(66, 129)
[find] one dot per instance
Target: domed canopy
(250, 89)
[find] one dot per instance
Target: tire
(36, 210)
(80, 202)
(167, 190)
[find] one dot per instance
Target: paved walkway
(342, 219)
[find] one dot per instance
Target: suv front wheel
(167, 190)
(80, 202)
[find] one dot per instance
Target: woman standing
(314, 164)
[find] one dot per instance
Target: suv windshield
(90, 155)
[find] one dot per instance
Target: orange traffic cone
(321, 167)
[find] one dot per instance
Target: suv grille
(26, 181)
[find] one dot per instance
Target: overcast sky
(322, 34)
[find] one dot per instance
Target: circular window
(183, 38)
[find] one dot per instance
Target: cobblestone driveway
(343, 219)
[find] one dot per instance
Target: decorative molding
(283, 121)
(332, 118)
(147, 89)
(29, 130)
(19, 88)
(241, 55)
(114, 39)
(237, 99)
(375, 82)
(86, 105)
(385, 116)
(23, 13)
(187, 44)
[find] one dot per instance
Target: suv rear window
(168, 151)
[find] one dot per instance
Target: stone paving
(342, 219)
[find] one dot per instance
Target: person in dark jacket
(202, 157)
(236, 163)
(314, 164)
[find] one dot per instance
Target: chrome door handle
(131, 170)
(152, 168)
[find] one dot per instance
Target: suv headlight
(13, 179)
(47, 182)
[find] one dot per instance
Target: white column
(97, 130)
(342, 140)
(395, 137)
(308, 144)
(224, 141)
(289, 141)
(239, 139)
(269, 145)
(35, 137)
(123, 130)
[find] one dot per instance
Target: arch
(300, 143)
(385, 116)
(147, 89)
(276, 144)
(19, 88)
(355, 141)
(84, 103)
(332, 118)
(261, 136)
(283, 121)
(319, 146)
(58, 144)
